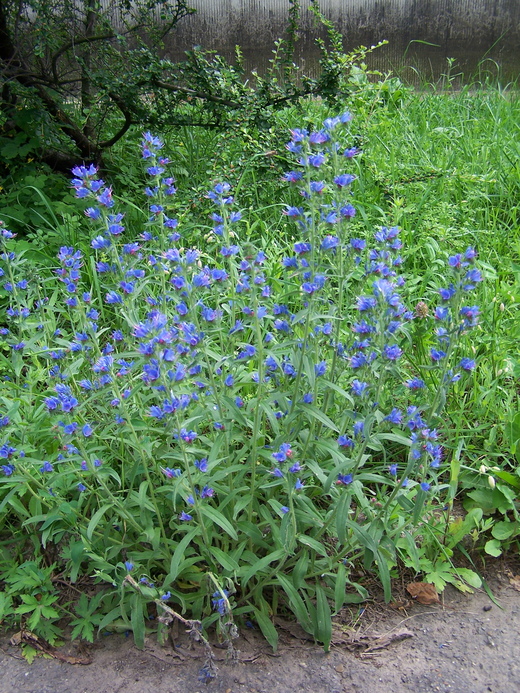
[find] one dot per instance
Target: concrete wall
(465, 29)
(223, 23)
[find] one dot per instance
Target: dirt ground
(466, 645)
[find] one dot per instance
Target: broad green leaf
(405, 502)
(320, 416)
(323, 631)
(408, 543)
(470, 577)
(178, 555)
(137, 621)
(512, 432)
(266, 626)
(297, 604)
(508, 478)
(215, 516)
(96, 518)
(418, 506)
(261, 564)
(493, 548)
(224, 559)
(312, 544)
(342, 515)
(340, 588)
(504, 530)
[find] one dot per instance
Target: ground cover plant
(220, 428)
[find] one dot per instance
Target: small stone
(339, 668)
(303, 665)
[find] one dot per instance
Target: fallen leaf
(423, 592)
(514, 581)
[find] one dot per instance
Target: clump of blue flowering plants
(224, 431)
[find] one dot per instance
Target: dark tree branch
(127, 124)
(195, 94)
(73, 44)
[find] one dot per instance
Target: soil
(465, 644)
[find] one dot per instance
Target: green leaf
(96, 517)
(504, 530)
(261, 564)
(512, 432)
(312, 544)
(224, 559)
(5, 605)
(219, 520)
(323, 632)
(418, 506)
(342, 514)
(266, 626)
(112, 616)
(508, 478)
(178, 555)
(372, 552)
(297, 604)
(493, 548)
(137, 621)
(408, 543)
(405, 502)
(340, 588)
(320, 416)
(299, 572)
(470, 576)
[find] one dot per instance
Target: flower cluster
(228, 395)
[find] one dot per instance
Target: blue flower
(437, 354)
(220, 603)
(202, 464)
(447, 293)
(170, 473)
(358, 427)
(359, 388)
(365, 303)
(415, 384)
(345, 442)
(425, 486)
(248, 352)
(392, 352)
(344, 179)
(113, 297)
(129, 566)
(344, 479)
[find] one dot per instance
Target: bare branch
(127, 124)
(195, 94)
